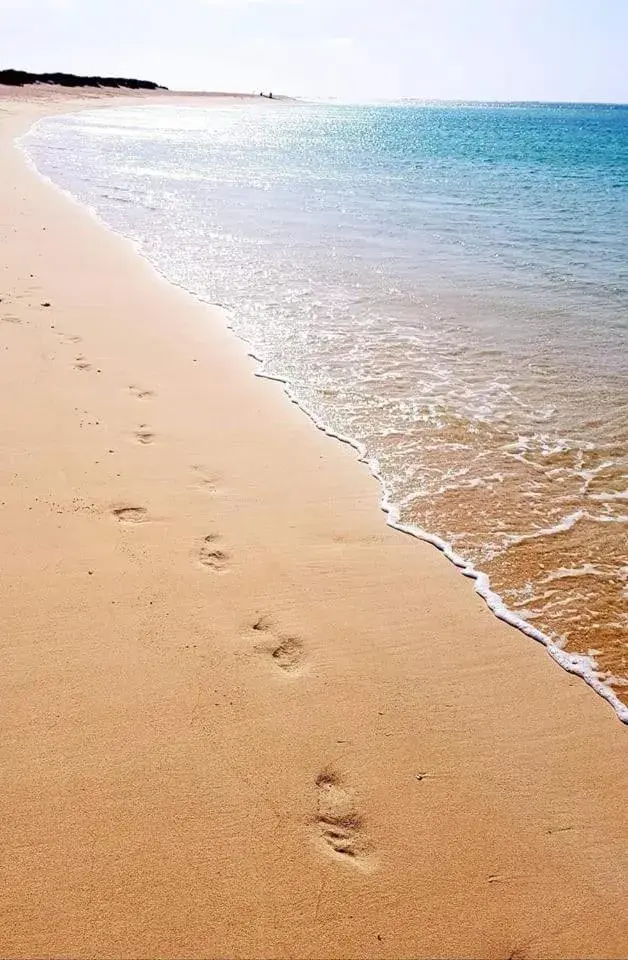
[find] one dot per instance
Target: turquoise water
(447, 286)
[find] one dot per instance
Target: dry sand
(241, 717)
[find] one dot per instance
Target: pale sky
(350, 49)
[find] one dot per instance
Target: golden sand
(221, 735)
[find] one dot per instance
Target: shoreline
(436, 741)
(577, 664)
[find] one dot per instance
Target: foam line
(578, 664)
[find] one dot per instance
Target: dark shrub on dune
(19, 78)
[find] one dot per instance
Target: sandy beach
(222, 736)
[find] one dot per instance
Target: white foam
(566, 573)
(610, 496)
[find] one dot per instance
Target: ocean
(443, 285)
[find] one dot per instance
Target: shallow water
(445, 285)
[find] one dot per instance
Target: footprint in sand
(130, 514)
(211, 556)
(143, 434)
(338, 823)
(141, 394)
(69, 337)
(287, 653)
(204, 480)
(10, 318)
(80, 363)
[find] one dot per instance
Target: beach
(242, 716)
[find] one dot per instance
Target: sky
(350, 49)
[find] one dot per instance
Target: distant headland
(19, 78)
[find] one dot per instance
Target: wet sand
(241, 716)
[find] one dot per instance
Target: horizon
(331, 100)
(522, 51)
